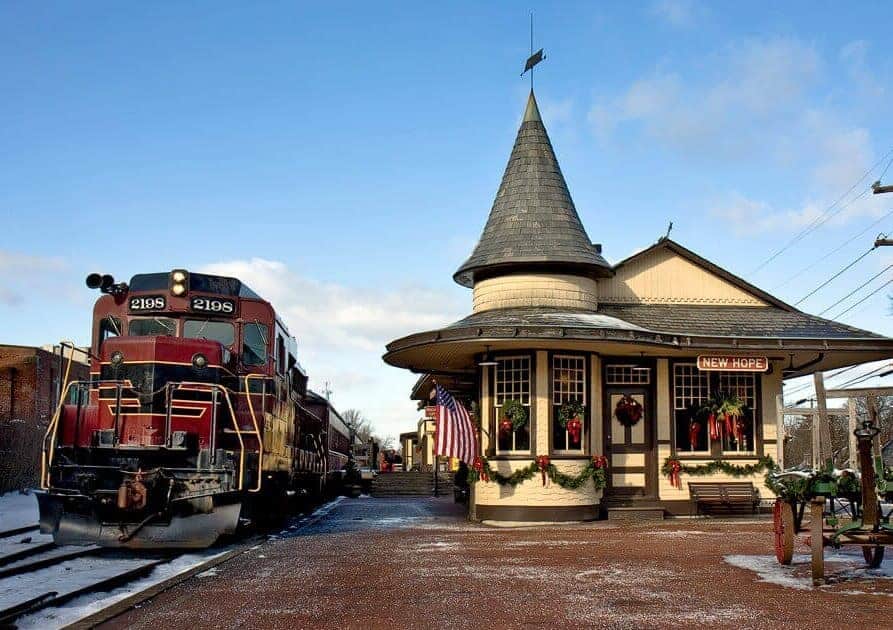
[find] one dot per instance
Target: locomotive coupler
(132, 494)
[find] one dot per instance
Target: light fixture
(487, 360)
(179, 282)
(199, 361)
(117, 357)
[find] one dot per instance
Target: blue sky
(343, 157)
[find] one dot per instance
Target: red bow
(675, 468)
(600, 461)
(478, 466)
(574, 428)
(543, 462)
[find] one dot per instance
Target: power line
(831, 253)
(836, 275)
(864, 377)
(857, 289)
(842, 313)
(825, 216)
(809, 384)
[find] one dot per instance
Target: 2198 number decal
(147, 303)
(212, 305)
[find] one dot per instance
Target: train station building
(606, 387)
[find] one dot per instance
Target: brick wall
(28, 381)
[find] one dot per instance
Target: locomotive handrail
(260, 443)
(46, 456)
(232, 415)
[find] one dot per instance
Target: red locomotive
(196, 412)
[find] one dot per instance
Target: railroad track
(36, 575)
(40, 575)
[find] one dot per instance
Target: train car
(194, 415)
(337, 435)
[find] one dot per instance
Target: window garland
(595, 469)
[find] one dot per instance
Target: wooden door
(630, 446)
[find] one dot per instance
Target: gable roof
(737, 281)
(533, 221)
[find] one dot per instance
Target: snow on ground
(86, 605)
(17, 510)
(843, 565)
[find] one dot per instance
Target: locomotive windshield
(152, 326)
(222, 332)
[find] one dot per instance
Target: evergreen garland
(591, 470)
(719, 466)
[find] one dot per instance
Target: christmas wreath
(628, 410)
(514, 415)
(569, 418)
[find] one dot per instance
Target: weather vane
(535, 57)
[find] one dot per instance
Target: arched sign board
(732, 363)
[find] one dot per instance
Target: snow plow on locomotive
(193, 417)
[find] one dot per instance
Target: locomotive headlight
(117, 358)
(179, 282)
(199, 361)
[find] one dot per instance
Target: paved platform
(416, 563)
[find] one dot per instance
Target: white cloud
(342, 331)
(21, 273)
(756, 101)
(677, 13)
(753, 81)
(854, 56)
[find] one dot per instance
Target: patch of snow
(212, 572)
(18, 510)
(769, 570)
(850, 561)
(91, 603)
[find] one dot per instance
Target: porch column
(596, 445)
(542, 426)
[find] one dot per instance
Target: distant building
(30, 380)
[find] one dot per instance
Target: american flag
(455, 433)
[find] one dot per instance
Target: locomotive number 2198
(212, 305)
(147, 303)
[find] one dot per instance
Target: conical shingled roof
(533, 222)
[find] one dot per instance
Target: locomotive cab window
(109, 327)
(254, 344)
(152, 326)
(221, 332)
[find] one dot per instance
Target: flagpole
(531, 49)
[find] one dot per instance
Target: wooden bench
(727, 496)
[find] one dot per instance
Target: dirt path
(398, 563)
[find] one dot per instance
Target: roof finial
(534, 58)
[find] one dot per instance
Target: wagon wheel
(873, 556)
(783, 525)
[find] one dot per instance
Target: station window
(568, 385)
(254, 344)
(221, 332)
(152, 327)
(512, 382)
(692, 391)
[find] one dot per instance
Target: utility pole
(879, 190)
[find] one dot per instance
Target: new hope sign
(733, 363)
